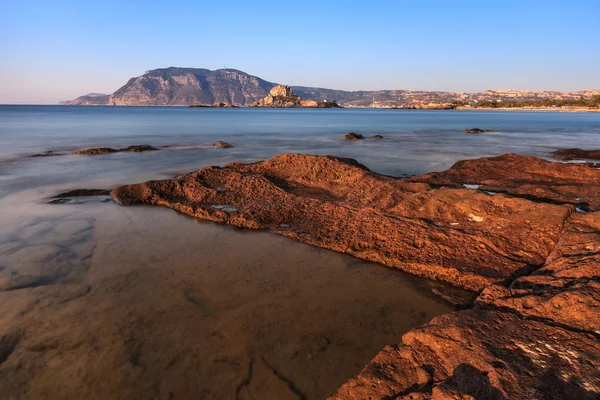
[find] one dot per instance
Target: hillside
(197, 86)
(185, 86)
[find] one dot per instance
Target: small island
(281, 96)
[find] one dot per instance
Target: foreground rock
(538, 338)
(463, 237)
(477, 354)
(108, 150)
(566, 291)
(533, 331)
(575, 154)
(527, 177)
(281, 96)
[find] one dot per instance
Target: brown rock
(376, 137)
(527, 177)
(460, 236)
(138, 148)
(477, 130)
(281, 91)
(478, 354)
(108, 150)
(572, 154)
(95, 151)
(353, 136)
(566, 291)
(222, 144)
(83, 192)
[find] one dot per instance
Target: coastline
(134, 295)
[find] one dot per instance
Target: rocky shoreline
(521, 233)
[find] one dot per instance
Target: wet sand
(143, 303)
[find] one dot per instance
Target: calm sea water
(415, 141)
(214, 293)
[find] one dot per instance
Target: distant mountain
(187, 86)
(184, 86)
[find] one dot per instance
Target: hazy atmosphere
(53, 51)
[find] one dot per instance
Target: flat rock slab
(464, 237)
(538, 338)
(478, 354)
(525, 176)
(566, 291)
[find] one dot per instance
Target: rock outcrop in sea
(574, 154)
(108, 150)
(511, 229)
(282, 96)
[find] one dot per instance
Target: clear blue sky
(56, 50)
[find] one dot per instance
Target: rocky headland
(282, 96)
(521, 233)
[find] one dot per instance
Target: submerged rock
(460, 236)
(108, 150)
(95, 151)
(573, 154)
(83, 192)
(376, 137)
(477, 130)
(49, 153)
(138, 148)
(222, 144)
(353, 136)
(71, 196)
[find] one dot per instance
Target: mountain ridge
(184, 86)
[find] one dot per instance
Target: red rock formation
(524, 176)
(538, 338)
(533, 332)
(477, 354)
(460, 236)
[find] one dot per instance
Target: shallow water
(112, 302)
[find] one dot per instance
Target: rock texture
(353, 136)
(460, 236)
(538, 338)
(527, 177)
(108, 150)
(281, 96)
(573, 154)
(534, 330)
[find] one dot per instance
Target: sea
(137, 294)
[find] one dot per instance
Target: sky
(58, 50)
